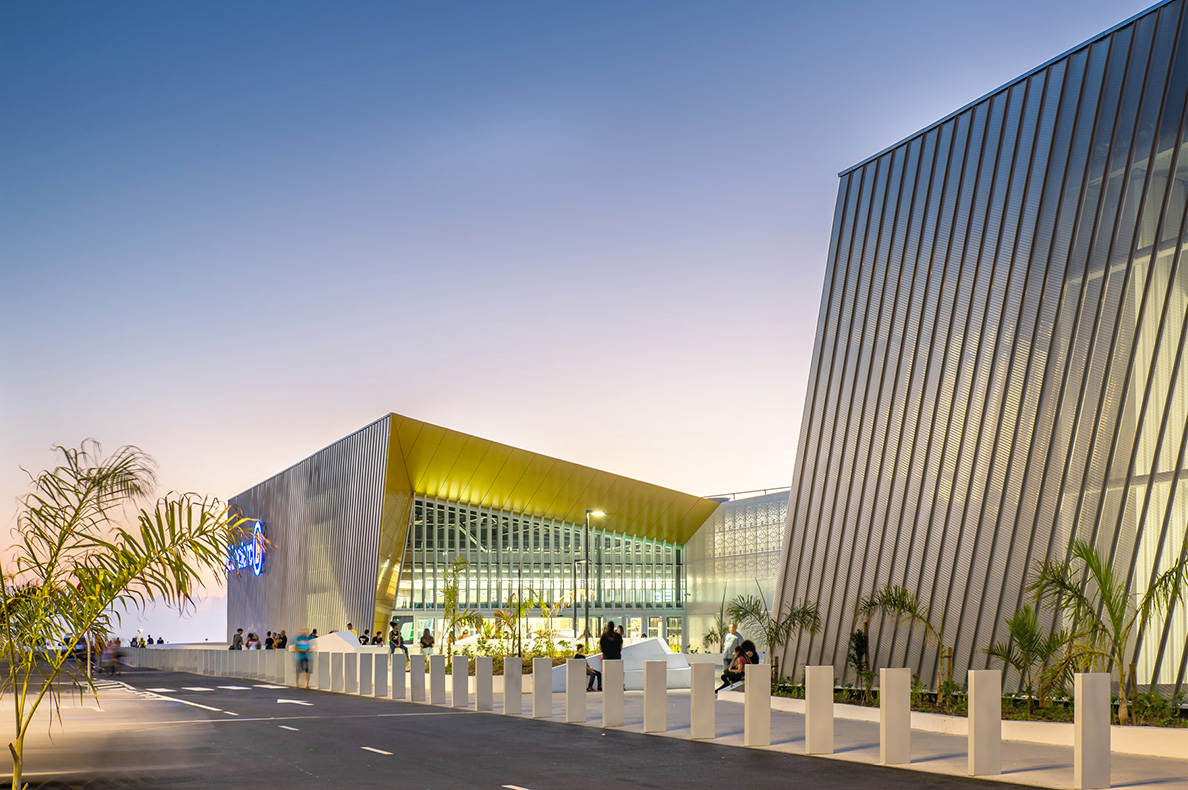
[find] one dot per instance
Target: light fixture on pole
(586, 584)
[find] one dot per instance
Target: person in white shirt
(732, 640)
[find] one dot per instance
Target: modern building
(999, 358)
(362, 532)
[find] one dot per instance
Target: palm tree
(511, 618)
(452, 616)
(1028, 651)
(773, 632)
(901, 604)
(716, 633)
(75, 561)
(1105, 615)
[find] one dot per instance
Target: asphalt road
(244, 735)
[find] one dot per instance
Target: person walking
(301, 646)
(732, 640)
(237, 640)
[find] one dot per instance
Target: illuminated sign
(248, 553)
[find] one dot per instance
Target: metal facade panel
(998, 367)
(322, 518)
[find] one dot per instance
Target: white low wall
(634, 656)
(1146, 741)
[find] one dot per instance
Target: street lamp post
(586, 583)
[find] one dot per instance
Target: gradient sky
(232, 233)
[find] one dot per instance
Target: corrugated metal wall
(323, 519)
(997, 367)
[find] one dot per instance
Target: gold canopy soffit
(445, 464)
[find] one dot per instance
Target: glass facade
(998, 361)
(512, 553)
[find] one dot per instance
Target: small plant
(1028, 651)
(858, 656)
(1148, 708)
(917, 691)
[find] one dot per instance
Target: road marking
(515, 787)
(268, 686)
(152, 695)
(196, 688)
(290, 729)
(377, 751)
(294, 702)
(161, 691)
(236, 688)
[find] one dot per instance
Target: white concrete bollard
(575, 690)
(437, 695)
(290, 659)
(701, 701)
(612, 692)
(818, 710)
(1091, 730)
(337, 671)
(257, 666)
(542, 688)
(513, 685)
(757, 705)
(350, 673)
(242, 662)
(655, 683)
(399, 676)
(461, 688)
(416, 679)
(985, 722)
(319, 669)
(280, 661)
(895, 716)
(380, 672)
(366, 674)
(484, 670)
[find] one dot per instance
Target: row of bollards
(381, 675)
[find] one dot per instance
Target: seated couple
(744, 654)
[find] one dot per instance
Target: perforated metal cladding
(998, 361)
(322, 519)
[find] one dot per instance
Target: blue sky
(232, 233)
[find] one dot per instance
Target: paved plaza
(183, 732)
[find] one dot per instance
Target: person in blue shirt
(302, 645)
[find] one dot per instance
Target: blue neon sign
(248, 553)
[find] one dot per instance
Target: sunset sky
(231, 233)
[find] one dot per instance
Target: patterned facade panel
(998, 364)
(736, 552)
(322, 518)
